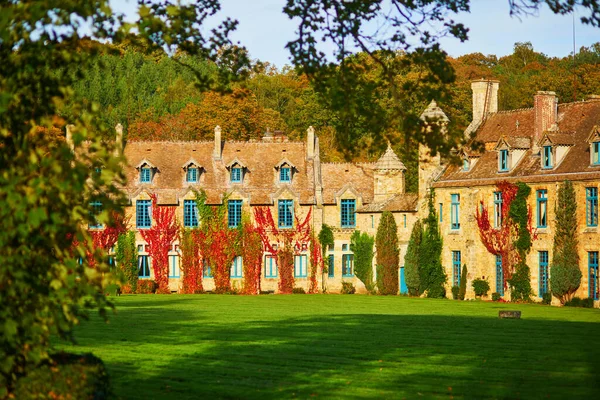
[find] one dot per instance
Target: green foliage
(431, 273)
(463, 283)
(326, 239)
(519, 213)
(565, 275)
(298, 290)
(496, 296)
(412, 261)
(455, 290)
(578, 302)
(388, 255)
(361, 244)
(481, 287)
(146, 286)
(127, 258)
(547, 298)
(520, 283)
(348, 288)
(67, 376)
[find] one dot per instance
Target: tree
(412, 261)
(519, 213)
(462, 291)
(432, 274)
(388, 254)
(565, 275)
(127, 259)
(361, 244)
(44, 187)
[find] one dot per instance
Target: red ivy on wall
(252, 253)
(191, 267)
(316, 262)
(160, 238)
(283, 243)
(499, 240)
(105, 238)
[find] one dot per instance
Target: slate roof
(401, 202)
(389, 161)
(575, 122)
(337, 176)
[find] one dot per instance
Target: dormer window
(146, 174)
(465, 164)
(191, 175)
(596, 153)
(547, 161)
(236, 175)
(285, 175)
(503, 161)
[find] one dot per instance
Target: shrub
(412, 261)
(455, 292)
(481, 287)
(388, 255)
(127, 258)
(65, 376)
(547, 298)
(578, 302)
(361, 245)
(298, 290)
(496, 296)
(146, 286)
(348, 288)
(520, 283)
(163, 291)
(463, 283)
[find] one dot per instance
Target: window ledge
(542, 230)
(454, 232)
(591, 229)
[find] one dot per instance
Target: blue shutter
(192, 174)
(348, 207)
(497, 209)
(286, 213)
(190, 214)
(142, 218)
(145, 175)
(455, 211)
(331, 268)
(284, 174)
(236, 175)
(542, 208)
(591, 211)
(143, 266)
(594, 288)
(456, 261)
(547, 157)
(234, 216)
(499, 276)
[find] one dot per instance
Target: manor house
(542, 146)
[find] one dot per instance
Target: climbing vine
(160, 237)
(189, 246)
(126, 257)
(252, 251)
(316, 262)
(283, 243)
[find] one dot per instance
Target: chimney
(119, 139)
(310, 143)
(217, 153)
(485, 98)
(545, 109)
(69, 136)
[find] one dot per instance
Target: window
(206, 269)
(404, 220)
(143, 267)
(547, 157)
(497, 209)
(95, 210)
(142, 217)
(503, 160)
(236, 267)
(348, 216)
(286, 213)
(190, 214)
(499, 276)
(236, 175)
(456, 268)
(465, 164)
(596, 153)
(543, 276)
(174, 267)
(347, 265)
(300, 266)
(591, 206)
(145, 175)
(270, 267)
(594, 287)
(372, 221)
(331, 266)
(345, 247)
(285, 175)
(542, 208)
(234, 215)
(192, 175)
(441, 213)
(455, 211)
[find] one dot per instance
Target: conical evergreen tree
(462, 291)
(412, 261)
(388, 255)
(565, 275)
(432, 274)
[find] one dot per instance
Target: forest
(155, 98)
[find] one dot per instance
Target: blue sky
(265, 30)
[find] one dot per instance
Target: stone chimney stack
(485, 98)
(69, 137)
(545, 109)
(119, 144)
(310, 143)
(217, 153)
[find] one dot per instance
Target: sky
(264, 30)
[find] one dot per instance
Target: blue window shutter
(285, 174)
(234, 213)
(456, 261)
(499, 276)
(190, 214)
(142, 218)
(286, 213)
(593, 280)
(542, 208)
(236, 174)
(543, 273)
(331, 268)
(143, 266)
(455, 211)
(192, 175)
(348, 215)
(547, 157)
(145, 175)
(591, 206)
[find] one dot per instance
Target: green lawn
(276, 346)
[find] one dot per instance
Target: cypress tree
(565, 275)
(127, 260)
(432, 273)
(412, 260)
(361, 245)
(388, 255)
(462, 291)
(520, 282)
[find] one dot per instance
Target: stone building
(542, 146)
